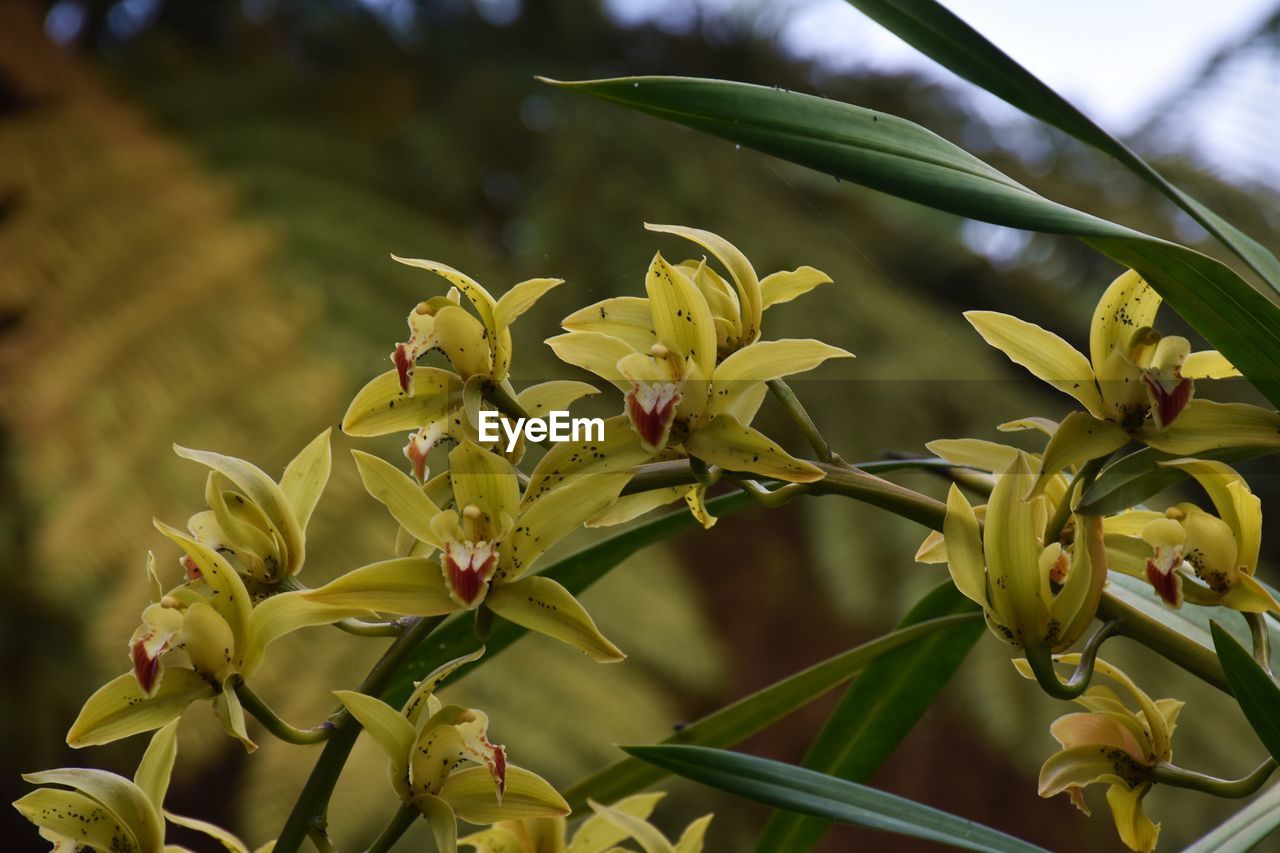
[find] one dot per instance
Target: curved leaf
(1256, 692)
(880, 708)
(939, 34)
(1134, 478)
(901, 158)
(736, 722)
(1245, 828)
(806, 792)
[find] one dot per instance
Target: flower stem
(274, 723)
(321, 840)
(396, 827)
(1261, 639)
(360, 628)
(1083, 478)
(1041, 661)
(800, 416)
(1174, 776)
(309, 811)
(771, 497)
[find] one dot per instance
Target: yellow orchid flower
(1219, 551)
(476, 344)
(100, 811)
(259, 524)
(1011, 571)
(692, 369)
(1135, 384)
(444, 765)
(600, 833)
(1114, 745)
(220, 637)
(433, 403)
(488, 542)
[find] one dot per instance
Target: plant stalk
(274, 723)
(309, 811)
(1177, 777)
(800, 416)
(400, 822)
(1261, 639)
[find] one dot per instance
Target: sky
(1115, 59)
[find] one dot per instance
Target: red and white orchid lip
(145, 651)
(420, 444)
(404, 362)
(1170, 398)
(467, 569)
(652, 408)
(1162, 573)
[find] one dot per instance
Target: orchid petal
(1046, 355)
(738, 267)
(681, 316)
(594, 352)
(540, 604)
(119, 708)
(87, 823)
(121, 798)
(471, 793)
(1127, 305)
(1208, 364)
(305, 477)
(520, 298)
(264, 492)
(389, 729)
(1136, 829)
(784, 285)
(152, 775)
(230, 597)
(556, 395)
(596, 834)
(627, 318)
(964, 548)
(485, 480)
(637, 829)
(380, 407)
(1205, 425)
(729, 444)
(401, 494)
(405, 585)
(546, 520)
(1079, 438)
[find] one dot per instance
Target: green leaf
(939, 34)
(1255, 690)
(901, 158)
(1136, 602)
(457, 637)
(803, 791)
(736, 722)
(1245, 828)
(880, 708)
(1134, 478)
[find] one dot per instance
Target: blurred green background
(197, 203)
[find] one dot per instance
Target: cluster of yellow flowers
(693, 372)
(1038, 564)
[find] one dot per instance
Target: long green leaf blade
(736, 722)
(938, 33)
(806, 792)
(1255, 690)
(901, 158)
(1132, 479)
(878, 710)
(1245, 828)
